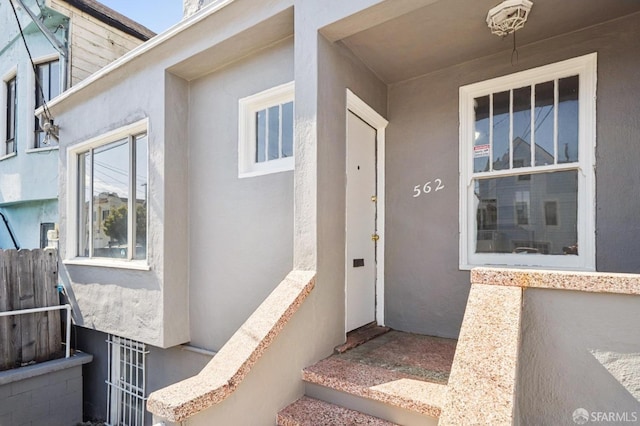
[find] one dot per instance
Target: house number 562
(431, 186)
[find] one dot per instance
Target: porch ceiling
(446, 32)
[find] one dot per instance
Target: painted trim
(41, 150)
(7, 156)
(247, 108)
(31, 138)
(137, 265)
(586, 67)
(73, 194)
(378, 122)
(10, 74)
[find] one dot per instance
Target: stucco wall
(339, 70)
(16, 184)
(426, 292)
(24, 220)
(128, 302)
(578, 350)
(240, 229)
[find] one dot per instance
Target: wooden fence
(28, 279)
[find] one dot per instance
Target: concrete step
(313, 412)
(399, 377)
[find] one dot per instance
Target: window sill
(138, 265)
(469, 267)
(45, 149)
(6, 157)
(276, 166)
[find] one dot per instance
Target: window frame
(247, 109)
(75, 193)
(33, 142)
(11, 75)
(584, 66)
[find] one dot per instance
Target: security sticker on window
(480, 151)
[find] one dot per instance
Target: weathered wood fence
(28, 279)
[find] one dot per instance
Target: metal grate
(126, 394)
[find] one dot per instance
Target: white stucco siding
(121, 301)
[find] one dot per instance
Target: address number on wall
(428, 188)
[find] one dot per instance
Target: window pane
(111, 192)
(261, 135)
(522, 127)
(544, 117)
(481, 139)
(501, 124)
(287, 130)
(274, 133)
(54, 80)
(514, 215)
(141, 197)
(568, 119)
(551, 213)
(11, 115)
(84, 200)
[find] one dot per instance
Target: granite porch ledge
(232, 363)
(482, 383)
(594, 282)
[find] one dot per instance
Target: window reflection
(107, 177)
(534, 215)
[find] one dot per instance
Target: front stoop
(398, 377)
(312, 412)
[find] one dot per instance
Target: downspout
(13, 238)
(59, 46)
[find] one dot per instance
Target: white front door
(360, 223)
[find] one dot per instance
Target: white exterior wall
(128, 302)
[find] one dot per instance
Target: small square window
(266, 138)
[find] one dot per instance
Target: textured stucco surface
(426, 291)
(220, 378)
(579, 350)
(240, 229)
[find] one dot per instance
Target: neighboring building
(386, 146)
(68, 40)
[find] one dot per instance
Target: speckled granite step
(312, 412)
(403, 370)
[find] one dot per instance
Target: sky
(157, 15)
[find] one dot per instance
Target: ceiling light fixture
(508, 17)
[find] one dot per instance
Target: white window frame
(31, 141)
(584, 66)
(9, 75)
(248, 107)
(125, 395)
(74, 194)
